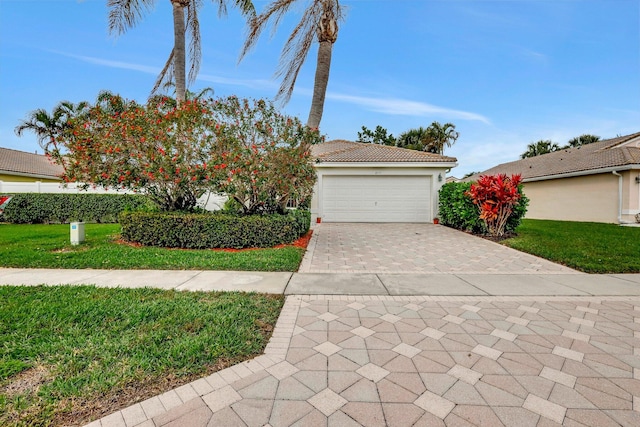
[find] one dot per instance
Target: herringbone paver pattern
(413, 248)
(425, 361)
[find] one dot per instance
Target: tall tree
(48, 126)
(441, 136)
(540, 147)
(378, 136)
(414, 139)
(125, 14)
(581, 140)
(432, 139)
(319, 23)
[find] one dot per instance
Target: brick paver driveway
(412, 248)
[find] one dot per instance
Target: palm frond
(195, 50)
(165, 76)
(295, 52)
(125, 14)
(274, 12)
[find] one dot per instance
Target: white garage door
(376, 198)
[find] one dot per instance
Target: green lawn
(585, 246)
(75, 353)
(47, 246)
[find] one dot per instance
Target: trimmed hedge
(458, 211)
(213, 230)
(38, 208)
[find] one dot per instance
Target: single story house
(359, 182)
(598, 182)
(20, 166)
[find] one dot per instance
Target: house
(359, 182)
(20, 166)
(598, 182)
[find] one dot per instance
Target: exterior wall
(15, 178)
(630, 195)
(592, 198)
(324, 170)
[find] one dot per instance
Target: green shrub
(37, 208)
(457, 210)
(213, 230)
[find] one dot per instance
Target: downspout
(619, 196)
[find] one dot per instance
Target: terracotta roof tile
(341, 151)
(20, 162)
(602, 154)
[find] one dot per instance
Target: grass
(48, 246)
(75, 353)
(585, 246)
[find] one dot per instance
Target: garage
(371, 198)
(360, 182)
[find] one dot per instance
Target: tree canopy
(125, 14)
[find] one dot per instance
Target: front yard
(48, 246)
(75, 353)
(585, 246)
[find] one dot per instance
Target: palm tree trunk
(320, 84)
(179, 64)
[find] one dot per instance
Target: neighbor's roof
(14, 162)
(609, 153)
(342, 151)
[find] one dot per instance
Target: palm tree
(441, 136)
(319, 22)
(414, 139)
(540, 147)
(581, 140)
(48, 127)
(125, 14)
(432, 139)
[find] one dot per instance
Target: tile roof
(20, 162)
(341, 151)
(609, 153)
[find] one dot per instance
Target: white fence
(209, 201)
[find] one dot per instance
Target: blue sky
(505, 72)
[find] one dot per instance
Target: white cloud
(404, 107)
(250, 83)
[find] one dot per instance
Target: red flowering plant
(159, 149)
(496, 196)
(175, 153)
(267, 155)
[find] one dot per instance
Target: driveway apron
(413, 248)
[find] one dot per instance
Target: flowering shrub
(176, 153)
(496, 196)
(267, 155)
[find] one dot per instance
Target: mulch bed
(302, 242)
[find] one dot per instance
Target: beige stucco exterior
(593, 198)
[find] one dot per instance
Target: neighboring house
(20, 166)
(598, 182)
(360, 182)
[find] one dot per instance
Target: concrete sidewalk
(577, 284)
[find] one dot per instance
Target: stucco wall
(585, 198)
